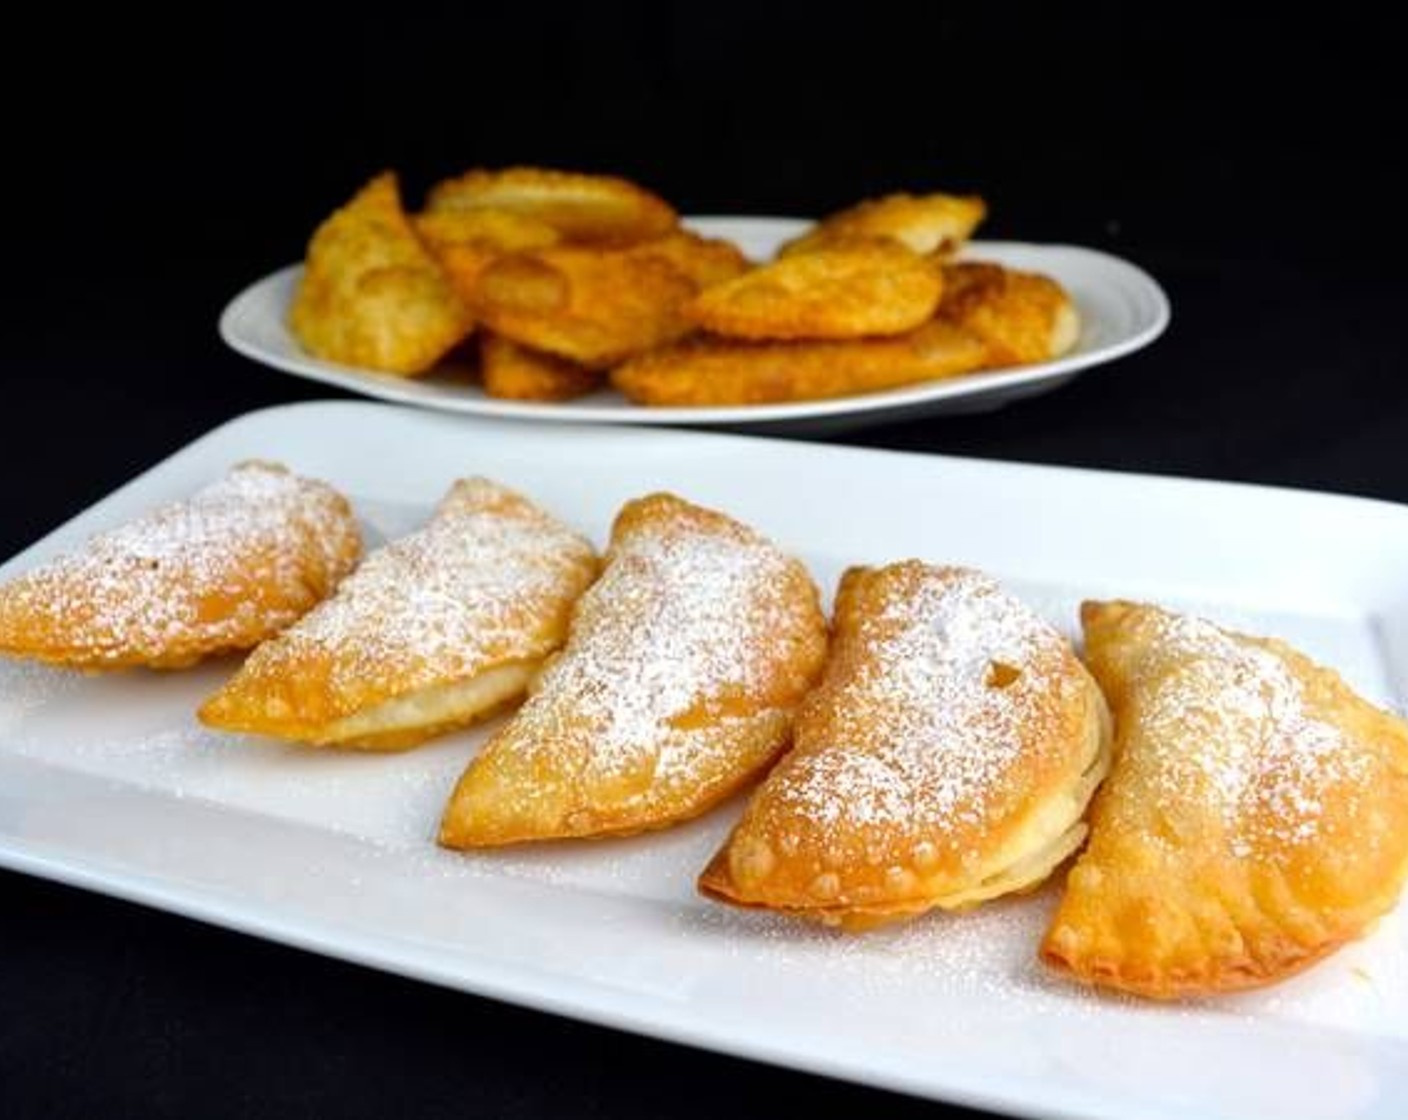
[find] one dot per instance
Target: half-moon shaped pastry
(432, 632)
(223, 570)
(678, 683)
(1255, 820)
(946, 758)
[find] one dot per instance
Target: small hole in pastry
(1001, 675)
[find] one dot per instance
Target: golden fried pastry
(705, 260)
(513, 372)
(596, 307)
(1021, 317)
(843, 291)
(946, 758)
(710, 371)
(432, 632)
(223, 570)
(929, 223)
(592, 208)
(466, 241)
(1256, 818)
(678, 682)
(371, 294)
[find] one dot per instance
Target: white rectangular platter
(109, 783)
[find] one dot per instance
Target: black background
(155, 166)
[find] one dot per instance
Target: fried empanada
(223, 570)
(371, 294)
(1255, 820)
(589, 208)
(432, 632)
(466, 241)
(677, 685)
(513, 372)
(929, 223)
(709, 371)
(596, 307)
(848, 290)
(705, 260)
(1021, 317)
(946, 758)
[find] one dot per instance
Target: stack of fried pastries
(939, 745)
(551, 284)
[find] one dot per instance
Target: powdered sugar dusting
(683, 616)
(488, 579)
(926, 730)
(1267, 756)
(381, 811)
(152, 586)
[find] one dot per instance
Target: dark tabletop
(1245, 164)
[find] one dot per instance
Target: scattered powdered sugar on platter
(987, 953)
(27, 688)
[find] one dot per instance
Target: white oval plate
(1122, 309)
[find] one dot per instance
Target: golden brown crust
(678, 682)
(705, 260)
(946, 758)
(223, 570)
(465, 242)
(595, 307)
(1256, 818)
(584, 208)
(371, 294)
(434, 631)
(931, 223)
(848, 290)
(1021, 317)
(708, 371)
(517, 373)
